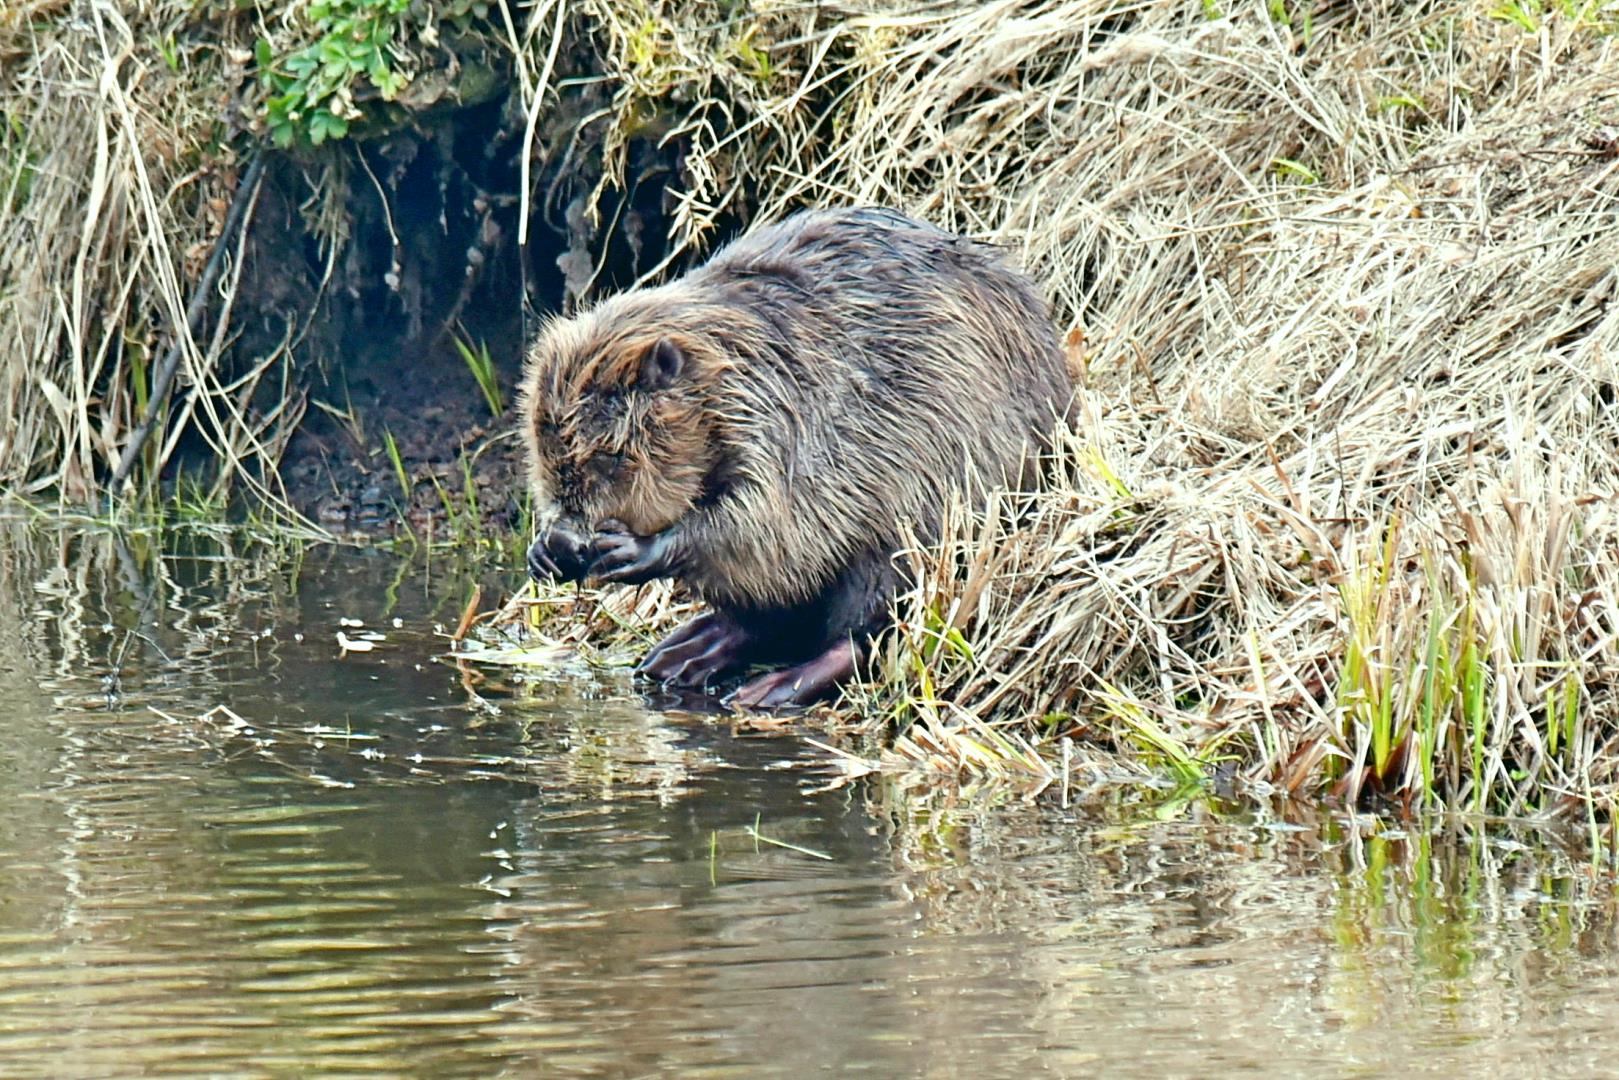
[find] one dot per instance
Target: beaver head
(615, 414)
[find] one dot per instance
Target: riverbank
(1336, 518)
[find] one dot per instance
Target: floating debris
(348, 644)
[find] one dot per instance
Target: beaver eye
(605, 464)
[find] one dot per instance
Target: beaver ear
(661, 365)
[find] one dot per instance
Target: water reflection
(361, 866)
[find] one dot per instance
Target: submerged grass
(1334, 514)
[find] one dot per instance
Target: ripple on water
(359, 868)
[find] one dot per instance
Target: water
(377, 864)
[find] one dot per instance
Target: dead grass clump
(1337, 509)
(113, 186)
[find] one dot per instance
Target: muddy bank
(399, 428)
(342, 474)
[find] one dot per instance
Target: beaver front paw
(622, 558)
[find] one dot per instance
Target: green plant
(940, 633)
(1288, 169)
(1600, 16)
(311, 91)
(755, 59)
(462, 516)
(1161, 748)
(1279, 14)
(1526, 14)
(398, 463)
(469, 494)
(1415, 685)
(482, 366)
(1399, 101)
(17, 163)
(760, 838)
(1370, 681)
(462, 528)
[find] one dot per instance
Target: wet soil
(431, 255)
(339, 472)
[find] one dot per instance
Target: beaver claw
(703, 649)
(801, 684)
(623, 558)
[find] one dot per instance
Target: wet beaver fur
(759, 429)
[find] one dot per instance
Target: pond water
(376, 864)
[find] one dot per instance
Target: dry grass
(1338, 502)
(1336, 513)
(112, 191)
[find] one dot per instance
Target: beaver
(763, 428)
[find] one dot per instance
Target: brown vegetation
(1337, 514)
(1337, 511)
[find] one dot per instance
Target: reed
(482, 367)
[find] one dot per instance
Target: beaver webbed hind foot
(703, 649)
(801, 684)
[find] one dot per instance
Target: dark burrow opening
(380, 263)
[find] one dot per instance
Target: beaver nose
(561, 552)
